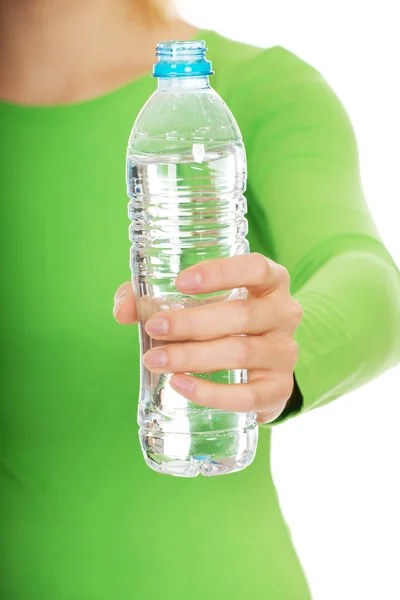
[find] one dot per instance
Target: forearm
(308, 212)
(350, 331)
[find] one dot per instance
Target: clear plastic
(186, 174)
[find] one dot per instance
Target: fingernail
(157, 326)
(155, 358)
(183, 385)
(190, 280)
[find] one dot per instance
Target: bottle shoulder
(195, 116)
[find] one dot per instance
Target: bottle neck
(199, 82)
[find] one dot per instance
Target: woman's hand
(207, 337)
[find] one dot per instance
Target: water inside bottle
(185, 209)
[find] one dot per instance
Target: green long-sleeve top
(83, 518)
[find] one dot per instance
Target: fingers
(253, 271)
(258, 274)
(236, 352)
(268, 394)
(124, 304)
(253, 316)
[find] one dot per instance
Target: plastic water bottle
(186, 174)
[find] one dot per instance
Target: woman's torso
(83, 517)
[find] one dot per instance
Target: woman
(83, 516)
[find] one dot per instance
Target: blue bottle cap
(181, 59)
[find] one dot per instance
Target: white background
(337, 468)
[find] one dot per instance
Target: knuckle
(270, 404)
(208, 395)
(261, 265)
(223, 267)
(244, 315)
(280, 391)
(171, 353)
(189, 326)
(185, 360)
(283, 275)
(288, 312)
(253, 400)
(241, 352)
(285, 388)
(286, 348)
(179, 357)
(281, 343)
(296, 311)
(257, 396)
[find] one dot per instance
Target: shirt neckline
(90, 103)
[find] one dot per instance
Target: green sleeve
(303, 173)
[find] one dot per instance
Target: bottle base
(242, 447)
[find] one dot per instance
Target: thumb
(124, 304)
